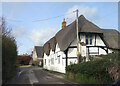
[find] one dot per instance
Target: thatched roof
(50, 44)
(53, 42)
(47, 48)
(112, 38)
(39, 51)
(66, 35)
(87, 26)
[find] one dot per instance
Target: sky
(34, 23)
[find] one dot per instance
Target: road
(36, 75)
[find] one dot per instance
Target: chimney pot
(63, 23)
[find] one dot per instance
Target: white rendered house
(61, 50)
(37, 54)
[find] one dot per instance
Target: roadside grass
(78, 78)
(83, 79)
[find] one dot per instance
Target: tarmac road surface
(36, 76)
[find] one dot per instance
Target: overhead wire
(14, 20)
(53, 17)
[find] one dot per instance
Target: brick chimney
(63, 23)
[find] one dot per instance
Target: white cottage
(37, 54)
(61, 50)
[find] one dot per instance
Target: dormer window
(89, 39)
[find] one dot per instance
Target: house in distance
(61, 50)
(37, 55)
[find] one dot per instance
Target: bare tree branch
(6, 31)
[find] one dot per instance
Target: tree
(9, 51)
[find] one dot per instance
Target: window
(52, 61)
(86, 39)
(58, 60)
(49, 62)
(89, 39)
(56, 54)
(62, 62)
(45, 61)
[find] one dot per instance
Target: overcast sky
(29, 29)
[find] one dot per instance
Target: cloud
(88, 12)
(29, 50)
(19, 32)
(40, 36)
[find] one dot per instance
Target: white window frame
(89, 38)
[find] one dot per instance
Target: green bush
(113, 57)
(80, 58)
(9, 57)
(96, 69)
(90, 58)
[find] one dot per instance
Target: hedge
(96, 69)
(113, 57)
(9, 57)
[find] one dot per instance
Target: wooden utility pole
(77, 35)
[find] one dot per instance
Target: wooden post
(77, 35)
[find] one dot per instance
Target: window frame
(89, 39)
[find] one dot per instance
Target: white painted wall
(82, 37)
(45, 61)
(102, 51)
(99, 41)
(60, 67)
(83, 50)
(72, 56)
(72, 52)
(110, 51)
(34, 55)
(59, 63)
